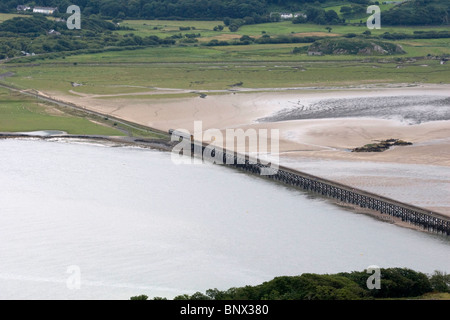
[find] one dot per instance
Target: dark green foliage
(395, 283)
(413, 12)
(22, 35)
(31, 35)
(417, 35)
(98, 25)
(419, 12)
(150, 9)
(354, 46)
(30, 26)
(141, 297)
(440, 281)
(266, 39)
(318, 16)
(298, 50)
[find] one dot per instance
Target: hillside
(396, 283)
(125, 24)
(410, 12)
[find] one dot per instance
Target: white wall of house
(44, 10)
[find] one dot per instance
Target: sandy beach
(319, 127)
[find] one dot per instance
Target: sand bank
(328, 138)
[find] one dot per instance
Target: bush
(395, 283)
(141, 297)
(440, 281)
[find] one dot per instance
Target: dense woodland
(19, 36)
(394, 283)
(29, 35)
(413, 12)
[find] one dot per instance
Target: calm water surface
(132, 222)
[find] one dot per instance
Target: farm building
(45, 10)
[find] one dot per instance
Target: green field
(201, 68)
(7, 16)
(205, 68)
(167, 28)
(22, 114)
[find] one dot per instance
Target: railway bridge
(426, 219)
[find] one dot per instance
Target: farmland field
(195, 68)
(21, 114)
(257, 66)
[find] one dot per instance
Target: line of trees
(19, 36)
(319, 16)
(413, 12)
(419, 12)
(395, 283)
(150, 9)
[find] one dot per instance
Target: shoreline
(156, 144)
(381, 217)
(313, 139)
(164, 146)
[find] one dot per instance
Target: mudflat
(321, 126)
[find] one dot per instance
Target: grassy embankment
(23, 114)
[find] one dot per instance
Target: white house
(44, 10)
(53, 33)
(300, 15)
(287, 15)
(23, 8)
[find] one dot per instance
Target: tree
(111, 8)
(329, 29)
(246, 38)
(141, 297)
(332, 17)
(233, 27)
(346, 11)
(275, 17)
(440, 281)
(299, 19)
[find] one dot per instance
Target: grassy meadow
(200, 68)
(181, 68)
(24, 114)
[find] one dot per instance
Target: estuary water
(88, 221)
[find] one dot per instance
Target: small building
(53, 33)
(299, 14)
(22, 8)
(45, 10)
(287, 15)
